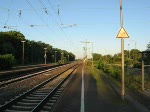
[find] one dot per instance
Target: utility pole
(23, 52)
(86, 42)
(45, 55)
(62, 58)
(55, 56)
(122, 44)
(134, 43)
(89, 53)
(142, 71)
(122, 34)
(134, 50)
(92, 55)
(129, 50)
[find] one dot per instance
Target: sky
(66, 24)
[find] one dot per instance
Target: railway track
(20, 78)
(20, 71)
(42, 97)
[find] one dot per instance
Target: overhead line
(78, 8)
(54, 20)
(39, 15)
(23, 21)
(36, 11)
(50, 15)
(72, 43)
(54, 11)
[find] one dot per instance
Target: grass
(104, 87)
(96, 76)
(133, 78)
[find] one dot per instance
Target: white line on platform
(82, 92)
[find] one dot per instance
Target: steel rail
(4, 83)
(41, 104)
(14, 101)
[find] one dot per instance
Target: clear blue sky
(96, 21)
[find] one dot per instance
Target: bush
(7, 61)
(100, 64)
(112, 70)
(133, 82)
(117, 72)
(137, 65)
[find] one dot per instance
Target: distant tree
(135, 55)
(107, 58)
(10, 43)
(7, 61)
(71, 56)
(117, 58)
(126, 53)
(147, 56)
(97, 56)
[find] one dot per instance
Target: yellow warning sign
(122, 33)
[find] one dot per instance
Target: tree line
(111, 65)
(10, 43)
(133, 57)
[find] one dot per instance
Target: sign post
(122, 34)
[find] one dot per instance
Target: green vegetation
(102, 87)
(10, 43)
(96, 76)
(133, 58)
(111, 65)
(7, 61)
(114, 71)
(147, 56)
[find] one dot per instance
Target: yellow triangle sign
(122, 33)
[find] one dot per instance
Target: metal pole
(45, 55)
(84, 55)
(121, 14)
(122, 51)
(85, 50)
(55, 56)
(142, 72)
(92, 55)
(122, 91)
(135, 52)
(62, 57)
(23, 55)
(89, 53)
(23, 52)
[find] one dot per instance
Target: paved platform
(97, 95)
